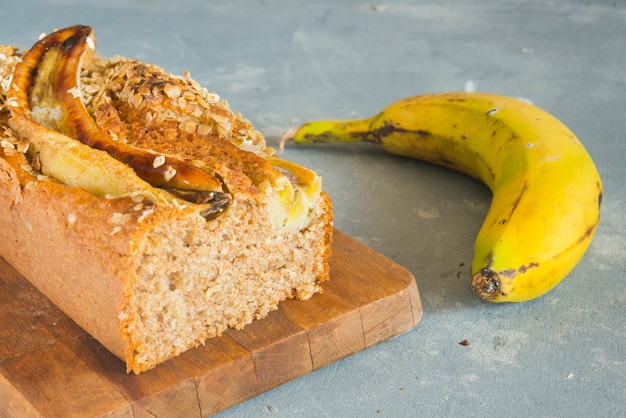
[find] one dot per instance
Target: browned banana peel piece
(143, 131)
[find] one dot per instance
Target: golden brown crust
(327, 220)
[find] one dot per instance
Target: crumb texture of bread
(194, 279)
(149, 278)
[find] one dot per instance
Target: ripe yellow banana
(546, 189)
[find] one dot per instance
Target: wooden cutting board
(50, 367)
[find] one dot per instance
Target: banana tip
(486, 283)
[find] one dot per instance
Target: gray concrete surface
(281, 63)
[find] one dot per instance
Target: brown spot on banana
(523, 269)
(487, 283)
(389, 128)
(511, 273)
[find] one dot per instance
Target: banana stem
(357, 130)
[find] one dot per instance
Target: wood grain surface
(51, 367)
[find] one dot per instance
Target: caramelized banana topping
(46, 89)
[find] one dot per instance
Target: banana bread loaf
(140, 204)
